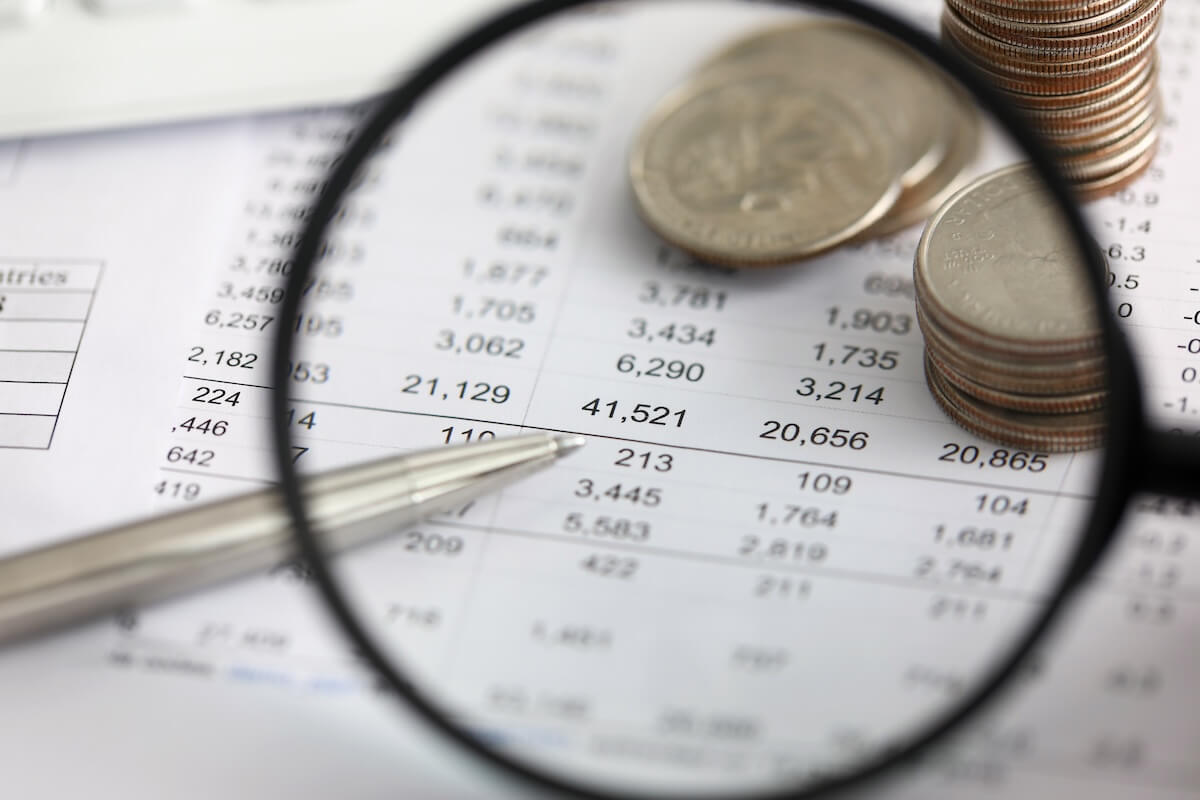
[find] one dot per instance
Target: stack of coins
(1012, 339)
(799, 138)
(1084, 71)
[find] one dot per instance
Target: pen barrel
(145, 561)
(133, 564)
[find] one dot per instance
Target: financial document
(537, 299)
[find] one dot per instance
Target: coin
(910, 97)
(1057, 120)
(1082, 100)
(1048, 12)
(1112, 158)
(1013, 400)
(1011, 372)
(1116, 181)
(1035, 45)
(916, 203)
(996, 266)
(1084, 71)
(763, 166)
(1079, 143)
(1016, 73)
(1003, 23)
(1051, 433)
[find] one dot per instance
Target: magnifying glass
(818, 525)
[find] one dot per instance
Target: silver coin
(997, 267)
(1043, 376)
(1032, 403)
(754, 168)
(912, 100)
(1084, 69)
(1051, 433)
(917, 202)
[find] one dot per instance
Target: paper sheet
(190, 226)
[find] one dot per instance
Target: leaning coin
(917, 202)
(756, 168)
(910, 97)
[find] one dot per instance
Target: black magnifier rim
(1126, 423)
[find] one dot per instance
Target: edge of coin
(967, 418)
(1046, 403)
(919, 202)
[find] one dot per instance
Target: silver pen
(103, 572)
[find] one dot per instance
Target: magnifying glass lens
(833, 344)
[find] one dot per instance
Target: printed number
(177, 490)
(215, 395)
(822, 436)
(682, 295)
(638, 495)
(867, 357)
(865, 319)
(478, 391)
(607, 527)
(641, 413)
(675, 333)
(308, 420)
(239, 320)
(610, 566)
(228, 358)
(307, 372)
(1016, 460)
(480, 344)
(822, 482)
(838, 391)
(466, 435)
(659, 462)
(214, 427)
(193, 456)
(432, 543)
(660, 368)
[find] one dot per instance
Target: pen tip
(568, 443)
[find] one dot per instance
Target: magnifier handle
(152, 559)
